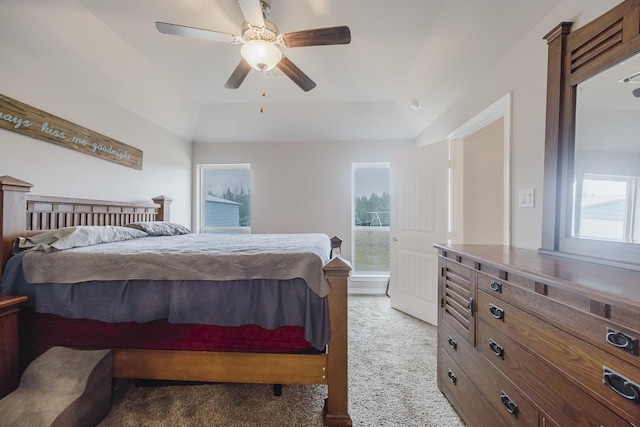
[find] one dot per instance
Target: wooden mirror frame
(573, 57)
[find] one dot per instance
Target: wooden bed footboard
(330, 368)
(22, 214)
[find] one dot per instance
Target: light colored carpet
(392, 382)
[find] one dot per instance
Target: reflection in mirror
(606, 186)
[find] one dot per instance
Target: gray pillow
(160, 228)
(74, 237)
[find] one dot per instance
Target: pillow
(160, 228)
(74, 237)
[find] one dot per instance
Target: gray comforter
(189, 257)
(185, 279)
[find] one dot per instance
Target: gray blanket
(189, 257)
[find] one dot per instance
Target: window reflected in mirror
(605, 208)
(606, 169)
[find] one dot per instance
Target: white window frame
(629, 227)
(383, 275)
(199, 197)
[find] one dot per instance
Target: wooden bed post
(337, 404)
(165, 204)
(13, 204)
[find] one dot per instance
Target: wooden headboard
(23, 214)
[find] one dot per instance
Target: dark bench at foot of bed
(62, 387)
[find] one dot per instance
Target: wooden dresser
(9, 374)
(535, 340)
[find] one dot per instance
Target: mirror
(606, 169)
(591, 198)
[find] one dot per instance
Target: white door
(419, 212)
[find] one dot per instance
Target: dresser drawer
(454, 343)
(548, 422)
(515, 408)
(497, 389)
(467, 400)
(573, 316)
(560, 400)
(582, 363)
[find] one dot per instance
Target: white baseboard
(375, 285)
(367, 291)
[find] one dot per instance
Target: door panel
(418, 220)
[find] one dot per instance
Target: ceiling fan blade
(197, 33)
(238, 75)
(252, 11)
(294, 73)
(318, 37)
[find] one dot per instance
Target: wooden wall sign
(24, 119)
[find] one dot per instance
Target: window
(370, 222)
(606, 208)
(225, 198)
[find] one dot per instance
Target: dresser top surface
(616, 283)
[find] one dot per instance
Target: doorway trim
(500, 108)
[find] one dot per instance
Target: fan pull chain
(264, 92)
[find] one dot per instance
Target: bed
(267, 360)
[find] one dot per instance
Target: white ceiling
(430, 50)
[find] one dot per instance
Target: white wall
(58, 171)
(523, 71)
(300, 187)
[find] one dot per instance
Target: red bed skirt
(39, 332)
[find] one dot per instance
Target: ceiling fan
(261, 42)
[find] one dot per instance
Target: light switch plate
(526, 198)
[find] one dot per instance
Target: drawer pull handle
(496, 286)
(496, 312)
(622, 341)
(621, 385)
(452, 343)
(452, 376)
(509, 405)
(470, 307)
(496, 348)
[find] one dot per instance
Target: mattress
(264, 302)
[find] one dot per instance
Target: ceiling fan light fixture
(261, 42)
(261, 54)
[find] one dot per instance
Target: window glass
(606, 207)
(370, 222)
(225, 199)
